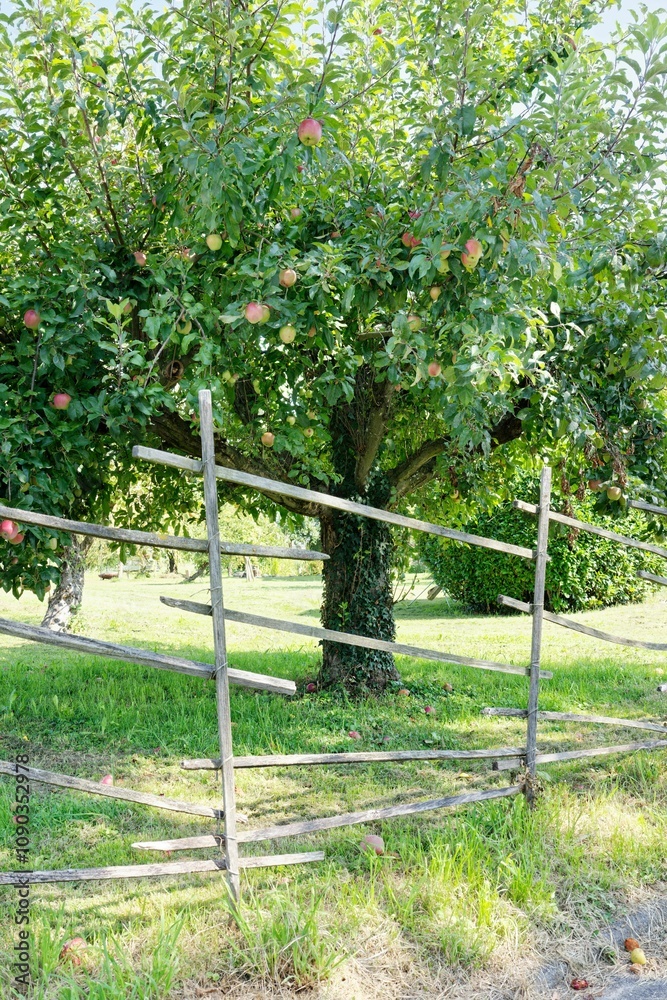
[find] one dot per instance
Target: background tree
(369, 229)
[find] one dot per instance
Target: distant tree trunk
(66, 598)
(249, 571)
(173, 564)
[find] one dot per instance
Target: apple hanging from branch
(61, 401)
(214, 241)
(287, 277)
(32, 319)
(310, 132)
(256, 312)
(287, 333)
(472, 254)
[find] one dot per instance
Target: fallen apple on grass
(311, 687)
(107, 780)
(70, 950)
(372, 844)
(354, 735)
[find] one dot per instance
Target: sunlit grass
(459, 888)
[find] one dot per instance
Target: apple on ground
(637, 956)
(310, 687)
(447, 686)
(287, 333)
(435, 292)
(472, 253)
(429, 710)
(214, 241)
(372, 844)
(140, 258)
(9, 529)
(61, 401)
(267, 439)
(32, 319)
(71, 949)
(434, 369)
(354, 735)
(404, 692)
(107, 780)
(310, 132)
(614, 492)
(287, 277)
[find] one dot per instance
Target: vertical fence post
(536, 642)
(219, 642)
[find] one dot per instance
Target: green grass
(470, 888)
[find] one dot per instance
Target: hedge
(584, 572)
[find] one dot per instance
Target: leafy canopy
(141, 133)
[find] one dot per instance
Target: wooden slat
(153, 871)
(606, 720)
(344, 819)
(584, 629)
(572, 522)
(644, 575)
(145, 657)
(553, 758)
(538, 617)
(651, 508)
(276, 488)
(152, 538)
(357, 757)
(109, 791)
(224, 715)
(348, 638)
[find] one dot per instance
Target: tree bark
(66, 598)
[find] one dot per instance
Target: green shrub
(584, 572)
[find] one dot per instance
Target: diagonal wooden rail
(152, 538)
(511, 602)
(275, 487)
(348, 638)
(163, 661)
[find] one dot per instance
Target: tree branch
(175, 432)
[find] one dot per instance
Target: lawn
(484, 894)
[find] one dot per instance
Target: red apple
(107, 780)
(410, 240)
(372, 844)
(32, 319)
(61, 401)
(267, 439)
(434, 369)
(311, 687)
(310, 132)
(594, 485)
(354, 735)
(414, 214)
(140, 258)
(287, 333)
(429, 710)
(404, 692)
(71, 948)
(9, 529)
(16, 539)
(378, 31)
(300, 169)
(254, 312)
(287, 277)
(472, 253)
(295, 213)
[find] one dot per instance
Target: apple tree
(401, 245)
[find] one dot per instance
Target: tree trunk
(173, 564)
(357, 576)
(66, 598)
(357, 598)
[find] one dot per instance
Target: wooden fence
(227, 842)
